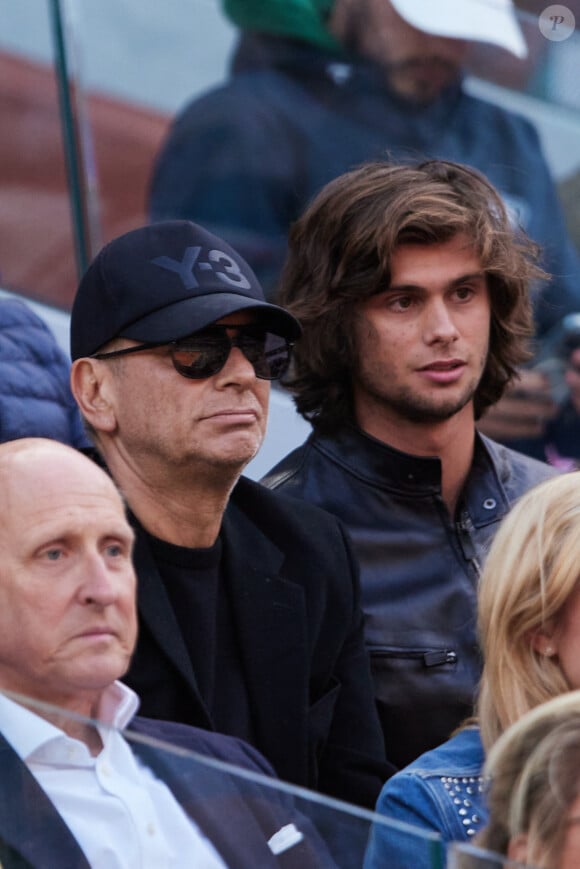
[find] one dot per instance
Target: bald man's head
(40, 459)
(67, 585)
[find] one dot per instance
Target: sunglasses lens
(200, 357)
(204, 355)
(268, 353)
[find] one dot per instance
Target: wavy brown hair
(340, 253)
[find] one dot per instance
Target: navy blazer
(300, 628)
(238, 817)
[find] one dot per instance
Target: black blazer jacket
(296, 607)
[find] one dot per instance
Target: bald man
(74, 792)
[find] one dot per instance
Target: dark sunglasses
(205, 353)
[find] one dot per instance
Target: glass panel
(139, 63)
(252, 820)
(543, 87)
(249, 818)
(185, 120)
(461, 856)
(37, 254)
(141, 68)
(136, 65)
(552, 42)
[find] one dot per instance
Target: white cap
(481, 20)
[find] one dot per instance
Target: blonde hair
(531, 570)
(534, 772)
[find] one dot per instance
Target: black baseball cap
(163, 282)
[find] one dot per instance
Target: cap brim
(190, 315)
(492, 21)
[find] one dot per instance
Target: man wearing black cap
(249, 603)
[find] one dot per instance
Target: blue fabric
(35, 396)
(246, 158)
(439, 792)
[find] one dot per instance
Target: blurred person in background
(560, 361)
(318, 87)
(35, 396)
(533, 789)
(572, 377)
(529, 630)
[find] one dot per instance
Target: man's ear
(90, 383)
(518, 848)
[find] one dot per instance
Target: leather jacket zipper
(430, 657)
(464, 528)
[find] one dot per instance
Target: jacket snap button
(489, 504)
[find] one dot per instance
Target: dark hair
(340, 253)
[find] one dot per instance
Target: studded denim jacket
(442, 791)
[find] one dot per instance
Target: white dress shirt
(121, 815)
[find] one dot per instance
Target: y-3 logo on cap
(229, 273)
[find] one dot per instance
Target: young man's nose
(439, 323)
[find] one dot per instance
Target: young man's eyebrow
(409, 287)
(471, 276)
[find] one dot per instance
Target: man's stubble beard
(419, 409)
(405, 80)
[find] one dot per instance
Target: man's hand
(524, 410)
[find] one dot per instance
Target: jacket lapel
(29, 822)
(212, 798)
(270, 617)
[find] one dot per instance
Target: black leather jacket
(419, 567)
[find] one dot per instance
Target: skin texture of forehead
(40, 461)
(32, 445)
(19, 452)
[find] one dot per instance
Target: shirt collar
(118, 705)
(26, 731)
